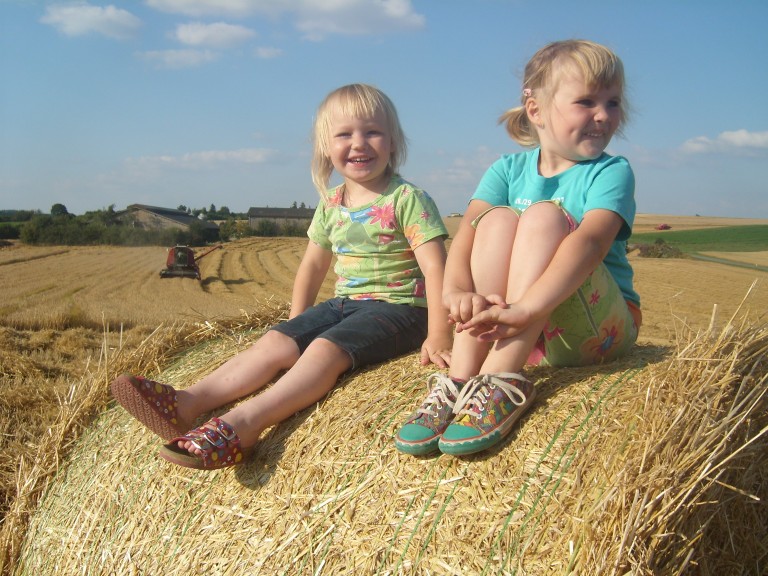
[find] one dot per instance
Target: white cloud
(314, 18)
(267, 53)
(81, 18)
(319, 18)
(218, 34)
(179, 58)
(208, 158)
(231, 8)
(736, 141)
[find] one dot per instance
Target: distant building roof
(172, 214)
(300, 213)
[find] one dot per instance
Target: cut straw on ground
(655, 464)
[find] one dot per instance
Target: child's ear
(533, 110)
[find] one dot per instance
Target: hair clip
(527, 92)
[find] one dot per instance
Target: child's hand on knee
(497, 322)
(463, 306)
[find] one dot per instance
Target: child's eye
(614, 103)
(586, 102)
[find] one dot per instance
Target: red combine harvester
(181, 262)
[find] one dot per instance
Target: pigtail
(518, 126)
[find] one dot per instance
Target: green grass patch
(726, 239)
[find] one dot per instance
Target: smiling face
(360, 149)
(577, 124)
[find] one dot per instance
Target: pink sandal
(151, 403)
(217, 440)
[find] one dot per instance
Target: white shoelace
(440, 386)
(474, 395)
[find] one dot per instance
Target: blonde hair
(359, 101)
(598, 65)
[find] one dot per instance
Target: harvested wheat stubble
(652, 465)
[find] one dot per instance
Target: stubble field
(64, 309)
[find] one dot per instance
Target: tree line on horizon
(60, 227)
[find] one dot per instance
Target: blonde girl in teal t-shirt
(387, 236)
(537, 271)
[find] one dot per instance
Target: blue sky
(200, 102)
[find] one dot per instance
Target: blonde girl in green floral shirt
(387, 237)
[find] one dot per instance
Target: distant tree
(59, 210)
(302, 205)
(294, 205)
(224, 211)
(212, 209)
(228, 230)
(9, 231)
(267, 228)
(181, 208)
(197, 235)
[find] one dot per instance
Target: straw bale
(655, 464)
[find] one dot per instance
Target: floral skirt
(596, 324)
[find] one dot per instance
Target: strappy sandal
(216, 439)
(151, 403)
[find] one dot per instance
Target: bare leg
(541, 230)
(491, 255)
(240, 376)
(310, 378)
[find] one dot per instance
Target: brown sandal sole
(151, 403)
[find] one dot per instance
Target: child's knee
(281, 348)
(547, 215)
(496, 217)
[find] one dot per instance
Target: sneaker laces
(474, 396)
(443, 391)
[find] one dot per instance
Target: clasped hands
(487, 318)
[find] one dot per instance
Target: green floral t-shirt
(374, 243)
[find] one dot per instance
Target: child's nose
(358, 141)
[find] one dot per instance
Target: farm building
(283, 217)
(156, 218)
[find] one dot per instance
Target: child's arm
(309, 277)
(576, 258)
(437, 347)
(459, 295)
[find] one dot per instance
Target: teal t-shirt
(374, 243)
(605, 183)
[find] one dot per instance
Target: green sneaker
(485, 411)
(421, 432)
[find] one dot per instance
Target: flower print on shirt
(414, 235)
(374, 253)
(383, 215)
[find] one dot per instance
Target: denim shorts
(370, 331)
